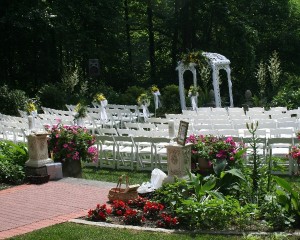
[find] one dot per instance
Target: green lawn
(74, 231)
(109, 175)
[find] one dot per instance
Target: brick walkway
(30, 207)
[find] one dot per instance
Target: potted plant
(70, 145)
(211, 154)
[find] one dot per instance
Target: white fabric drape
(156, 99)
(194, 103)
(103, 114)
(33, 114)
(146, 113)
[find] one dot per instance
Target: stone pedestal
(179, 161)
(38, 151)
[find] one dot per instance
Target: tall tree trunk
(128, 38)
(151, 42)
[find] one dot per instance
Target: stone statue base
(38, 152)
(179, 162)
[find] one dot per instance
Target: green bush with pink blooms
(218, 153)
(71, 143)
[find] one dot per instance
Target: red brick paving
(27, 208)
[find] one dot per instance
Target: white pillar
(216, 86)
(181, 90)
(228, 70)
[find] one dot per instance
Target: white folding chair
(161, 152)
(8, 133)
(281, 147)
(282, 133)
(261, 148)
(144, 151)
(107, 151)
(125, 152)
(228, 132)
(127, 132)
(147, 126)
(134, 126)
(108, 131)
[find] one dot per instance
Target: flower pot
(72, 168)
(203, 163)
(204, 167)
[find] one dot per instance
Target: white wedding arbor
(216, 62)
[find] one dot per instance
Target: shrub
(276, 215)
(131, 94)
(12, 162)
(10, 173)
(52, 96)
(170, 99)
(171, 194)
(210, 214)
(12, 100)
(289, 95)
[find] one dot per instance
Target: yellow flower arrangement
(143, 99)
(193, 91)
(80, 110)
(99, 97)
(154, 89)
(194, 57)
(31, 107)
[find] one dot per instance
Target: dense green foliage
(12, 162)
(139, 42)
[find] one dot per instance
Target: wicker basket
(123, 194)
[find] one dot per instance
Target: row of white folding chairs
(146, 153)
(265, 133)
(125, 152)
(274, 113)
(273, 152)
(12, 134)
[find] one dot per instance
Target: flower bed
(132, 213)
